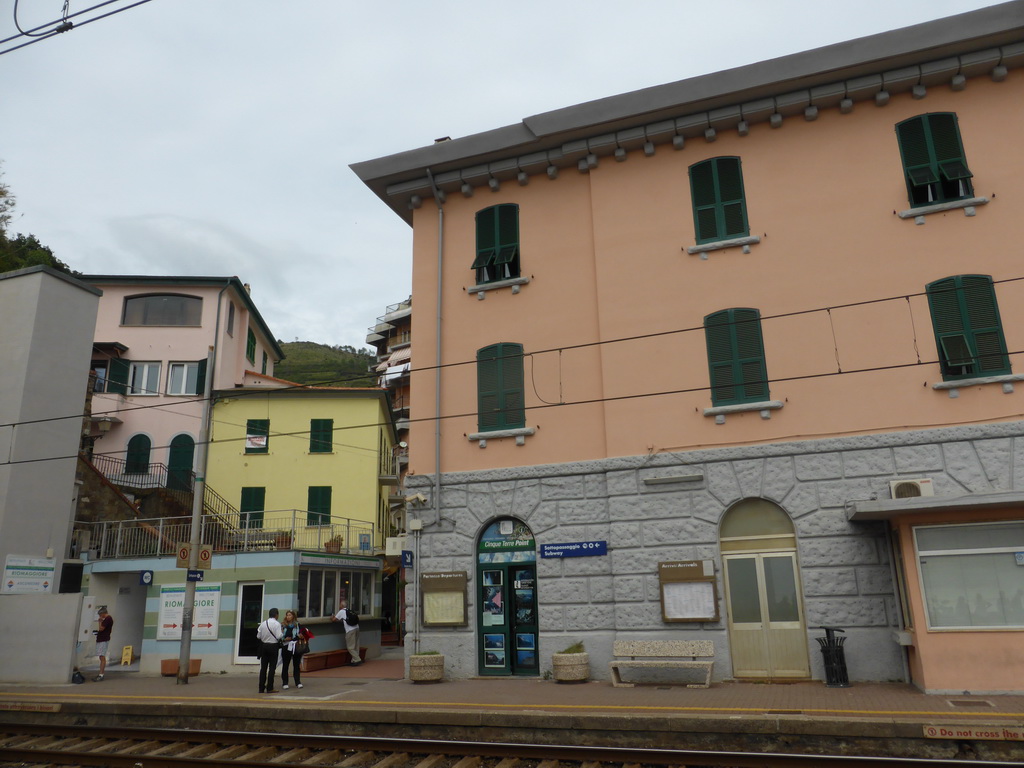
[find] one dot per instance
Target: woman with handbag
(294, 645)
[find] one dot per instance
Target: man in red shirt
(103, 640)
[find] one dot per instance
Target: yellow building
(311, 466)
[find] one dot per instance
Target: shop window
(971, 576)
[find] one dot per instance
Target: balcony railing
(277, 529)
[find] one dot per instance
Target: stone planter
(570, 667)
(426, 668)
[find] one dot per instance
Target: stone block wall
(845, 567)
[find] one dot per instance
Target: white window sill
(513, 282)
(519, 434)
(718, 245)
(765, 407)
(956, 385)
(918, 214)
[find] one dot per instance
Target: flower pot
(169, 667)
(283, 540)
(426, 668)
(334, 547)
(570, 667)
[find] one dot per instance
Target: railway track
(35, 746)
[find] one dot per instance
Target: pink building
(763, 326)
(153, 335)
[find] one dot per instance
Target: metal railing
(274, 529)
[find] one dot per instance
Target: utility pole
(198, 489)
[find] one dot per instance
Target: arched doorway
(507, 623)
(137, 456)
(179, 463)
(767, 631)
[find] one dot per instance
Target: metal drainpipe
(901, 622)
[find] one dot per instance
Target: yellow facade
(358, 468)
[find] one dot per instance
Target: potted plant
(426, 667)
(571, 665)
(283, 539)
(333, 544)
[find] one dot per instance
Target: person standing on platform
(350, 621)
(269, 636)
(103, 640)
(293, 636)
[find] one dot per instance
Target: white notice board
(689, 601)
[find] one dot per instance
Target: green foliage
(575, 648)
(427, 653)
(22, 251)
(307, 362)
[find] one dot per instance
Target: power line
(656, 334)
(59, 26)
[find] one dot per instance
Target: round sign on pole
(205, 555)
(183, 552)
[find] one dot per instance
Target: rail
(290, 529)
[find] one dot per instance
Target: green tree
(21, 251)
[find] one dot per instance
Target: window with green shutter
(719, 207)
(934, 163)
(968, 331)
(250, 347)
(117, 378)
(499, 382)
(736, 357)
(257, 436)
(251, 507)
(263, 369)
(321, 435)
(497, 243)
(318, 505)
(137, 456)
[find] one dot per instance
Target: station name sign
(575, 549)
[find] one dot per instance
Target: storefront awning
(886, 509)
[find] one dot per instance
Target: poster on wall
(444, 598)
(28, 575)
(205, 613)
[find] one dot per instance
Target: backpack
(77, 677)
(352, 617)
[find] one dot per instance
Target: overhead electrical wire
(59, 26)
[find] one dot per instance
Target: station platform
(375, 699)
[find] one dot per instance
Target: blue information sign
(195, 575)
(575, 549)
(406, 558)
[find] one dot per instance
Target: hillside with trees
(22, 251)
(307, 362)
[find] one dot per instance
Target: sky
(214, 137)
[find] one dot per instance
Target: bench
(310, 662)
(663, 654)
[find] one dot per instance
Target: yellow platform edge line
(577, 707)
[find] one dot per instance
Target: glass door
(250, 614)
(507, 619)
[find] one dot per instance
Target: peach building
(733, 358)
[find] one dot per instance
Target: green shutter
(251, 506)
(318, 505)
(736, 357)
(486, 237)
(968, 330)
(257, 428)
(497, 242)
(137, 456)
(500, 390)
(250, 347)
(117, 376)
(719, 205)
(201, 378)
(321, 435)
(934, 162)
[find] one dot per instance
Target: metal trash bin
(835, 658)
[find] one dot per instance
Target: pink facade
(848, 251)
(164, 404)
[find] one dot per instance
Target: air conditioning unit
(908, 489)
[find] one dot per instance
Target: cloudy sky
(213, 137)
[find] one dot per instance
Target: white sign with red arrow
(205, 613)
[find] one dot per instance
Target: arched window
(162, 309)
(137, 458)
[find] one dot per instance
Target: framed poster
(689, 591)
(444, 598)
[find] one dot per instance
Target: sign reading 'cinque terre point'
(507, 541)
